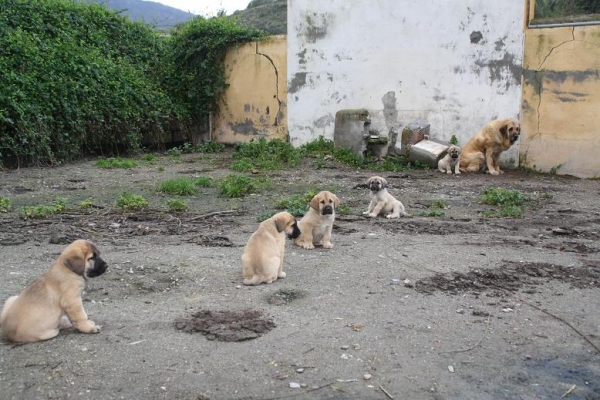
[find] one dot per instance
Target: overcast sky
(206, 7)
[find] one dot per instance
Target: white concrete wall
(404, 60)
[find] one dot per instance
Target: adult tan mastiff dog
(382, 202)
(262, 260)
(317, 223)
(482, 152)
(53, 301)
(451, 161)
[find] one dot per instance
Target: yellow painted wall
(560, 112)
(255, 104)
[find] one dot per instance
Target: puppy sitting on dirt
(451, 161)
(317, 223)
(382, 202)
(53, 301)
(262, 260)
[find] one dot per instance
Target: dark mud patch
(226, 326)
(509, 278)
(211, 241)
(428, 226)
(284, 296)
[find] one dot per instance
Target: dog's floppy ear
(75, 261)
(504, 129)
(281, 221)
(369, 181)
(314, 203)
(384, 183)
(336, 201)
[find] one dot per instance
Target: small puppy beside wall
(53, 301)
(262, 260)
(382, 202)
(317, 223)
(451, 161)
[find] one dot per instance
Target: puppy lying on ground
(262, 260)
(482, 152)
(382, 202)
(53, 301)
(451, 161)
(317, 223)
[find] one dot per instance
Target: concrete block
(350, 129)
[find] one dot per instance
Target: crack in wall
(279, 102)
(556, 47)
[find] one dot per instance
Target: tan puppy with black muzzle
(262, 260)
(317, 223)
(451, 161)
(382, 202)
(53, 301)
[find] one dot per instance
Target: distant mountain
(157, 14)
(268, 15)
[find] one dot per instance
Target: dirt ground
(449, 307)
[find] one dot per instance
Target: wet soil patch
(284, 296)
(510, 277)
(427, 226)
(226, 326)
(211, 241)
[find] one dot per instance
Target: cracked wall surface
(453, 67)
(255, 103)
(561, 99)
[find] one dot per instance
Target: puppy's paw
(500, 172)
(449, 172)
(372, 215)
(457, 173)
(281, 275)
(328, 245)
(88, 327)
(365, 213)
(392, 216)
(494, 173)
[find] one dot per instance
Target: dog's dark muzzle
(514, 138)
(99, 268)
(327, 210)
(375, 187)
(454, 155)
(295, 232)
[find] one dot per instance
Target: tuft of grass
(439, 204)
(265, 215)
(431, 213)
(178, 187)
(5, 204)
(115, 163)
(511, 202)
(265, 155)
(131, 202)
(348, 157)
(176, 205)
(44, 211)
(554, 170)
(210, 147)
(527, 170)
(318, 148)
(149, 157)
(203, 181)
(391, 164)
(343, 209)
(297, 205)
(453, 140)
(237, 185)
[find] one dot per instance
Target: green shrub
(77, 78)
(131, 202)
(86, 204)
(203, 181)
(439, 204)
(5, 204)
(115, 163)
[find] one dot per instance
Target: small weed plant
(131, 202)
(237, 185)
(178, 187)
(511, 202)
(86, 204)
(109, 163)
(44, 211)
(439, 204)
(5, 204)
(431, 213)
(297, 205)
(177, 205)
